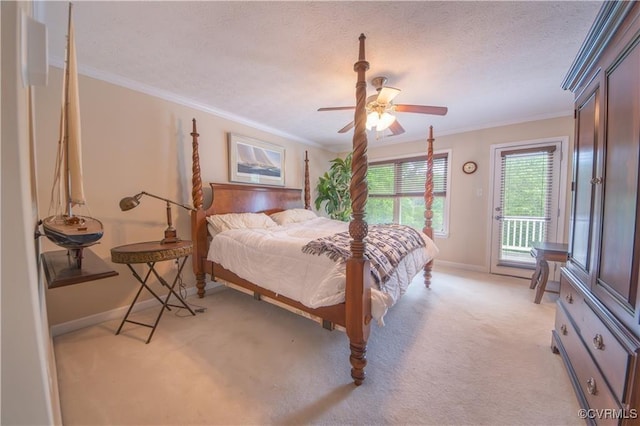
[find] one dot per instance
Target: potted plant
(333, 188)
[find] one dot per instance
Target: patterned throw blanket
(385, 247)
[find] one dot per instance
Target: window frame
(444, 233)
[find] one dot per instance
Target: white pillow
(292, 216)
(224, 222)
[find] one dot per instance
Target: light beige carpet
(472, 350)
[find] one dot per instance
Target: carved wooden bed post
(307, 187)
(358, 287)
(198, 235)
(428, 203)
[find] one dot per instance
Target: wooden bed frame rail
(355, 313)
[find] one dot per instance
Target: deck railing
(519, 232)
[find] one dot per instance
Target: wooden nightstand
(150, 253)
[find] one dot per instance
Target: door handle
(498, 217)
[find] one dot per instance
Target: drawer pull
(569, 298)
(563, 329)
(598, 342)
(591, 386)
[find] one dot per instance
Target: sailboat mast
(67, 178)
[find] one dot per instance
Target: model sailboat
(64, 228)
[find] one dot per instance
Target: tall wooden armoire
(597, 324)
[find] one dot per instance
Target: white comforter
(272, 258)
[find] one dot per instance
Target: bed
(353, 309)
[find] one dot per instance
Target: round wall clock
(469, 167)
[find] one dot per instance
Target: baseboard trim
(118, 313)
(463, 266)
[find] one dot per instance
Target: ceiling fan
(380, 109)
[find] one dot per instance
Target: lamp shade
(128, 203)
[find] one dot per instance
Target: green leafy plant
(333, 189)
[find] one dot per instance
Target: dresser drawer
(591, 383)
(608, 352)
(571, 299)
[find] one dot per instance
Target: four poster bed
(215, 234)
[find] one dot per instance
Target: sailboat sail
(69, 186)
(74, 150)
(63, 227)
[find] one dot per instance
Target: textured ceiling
(273, 64)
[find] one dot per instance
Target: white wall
(28, 394)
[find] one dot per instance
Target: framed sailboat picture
(255, 161)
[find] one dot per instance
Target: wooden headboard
(240, 198)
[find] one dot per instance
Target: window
(396, 192)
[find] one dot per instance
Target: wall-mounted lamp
(170, 234)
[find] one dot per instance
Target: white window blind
(397, 187)
(407, 177)
(526, 195)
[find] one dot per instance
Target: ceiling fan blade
(336, 108)
(387, 94)
(346, 128)
(422, 109)
(396, 128)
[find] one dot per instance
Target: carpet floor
(472, 350)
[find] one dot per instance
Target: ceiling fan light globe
(385, 121)
(372, 120)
